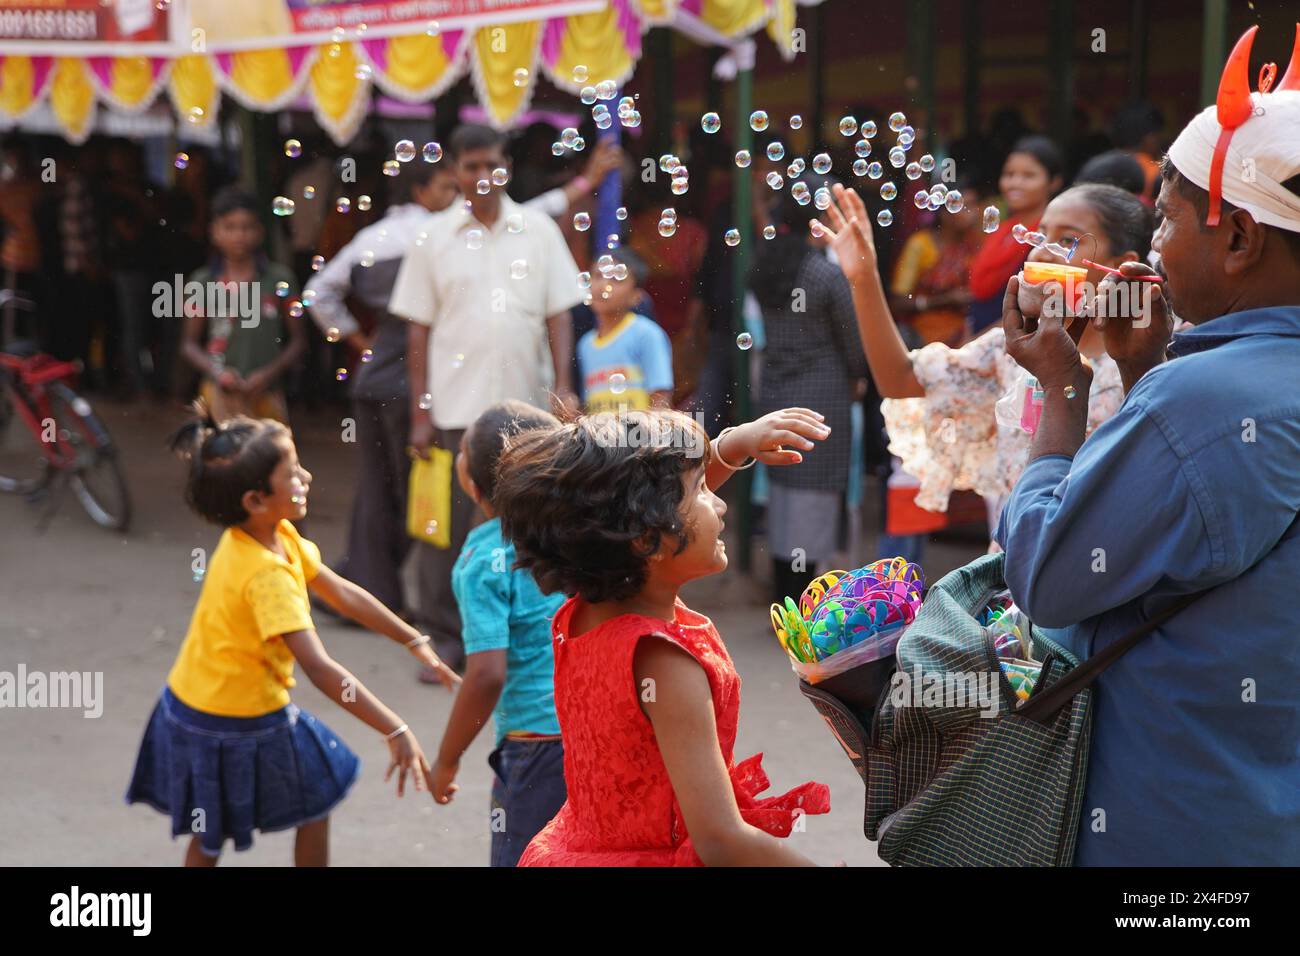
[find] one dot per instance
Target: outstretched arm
(887, 355)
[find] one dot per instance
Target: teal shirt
(501, 608)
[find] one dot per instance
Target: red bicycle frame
(31, 375)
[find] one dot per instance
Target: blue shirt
(501, 608)
(636, 349)
(1194, 483)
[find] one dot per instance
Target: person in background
(20, 248)
(813, 359)
(506, 622)
(487, 294)
(929, 290)
(1136, 130)
(1116, 168)
(1031, 176)
(365, 270)
(245, 357)
(626, 360)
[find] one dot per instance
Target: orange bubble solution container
(1072, 279)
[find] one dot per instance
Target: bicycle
(61, 442)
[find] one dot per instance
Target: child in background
(619, 511)
(509, 670)
(244, 358)
(627, 359)
(225, 752)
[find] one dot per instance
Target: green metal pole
(660, 42)
(742, 218)
(970, 25)
(1060, 56)
(1214, 47)
(920, 58)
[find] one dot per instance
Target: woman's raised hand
(849, 229)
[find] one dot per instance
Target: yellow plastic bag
(428, 502)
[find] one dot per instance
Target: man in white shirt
(487, 292)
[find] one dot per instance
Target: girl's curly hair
(587, 503)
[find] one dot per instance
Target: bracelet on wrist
(419, 641)
(717, 452)
(396, 733)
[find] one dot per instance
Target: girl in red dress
(619, 511)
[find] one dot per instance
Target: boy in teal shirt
(509, 672)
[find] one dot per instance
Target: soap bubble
(939, 190)
(363, 71)
(584, 280)
(181, 161)
(620, 271)
(885, 218)
(391, 168)
(632, 120)
(515, 223)
(821, 164)
(848, 126)
(953, 201)
(557, 148)
(922, 199)
(774, 180)
(796, 121)
(426, 401)
(860, 167)
(775, 151)
(862, 147)
(731, 237)
(802, 195)
(913, 171)
(743, 158)
(679, 185)
(308, 192)
(822, 198)
(367, 259)
(769, 232)
(817, 229)
(519, 269)
(617, 383)
(897, 121)
(888, 190)
(620, 213)
(897, 157)
(603, 119)
(580, 74)
(404, 151)
(868, 129)
(292, 148)
(579, 145)
(582, 221)
(458, 360)
(363, 202)
(927, 163)
(744, 341)
(367, 356)
(282, 206)
(1018, 231)
(341, 375)
(710, 122)
(906, 137)
(667, 227)
(796, 167)
(195, 115)
(758, 121)
(606, 89)
(474, 239)
(521, 78)
(875, 170)
(1035, 239)
(308, 296)
(317, 263)
(992, 218)
(587, 95)
(626, 105)
(569, 136)
(295, 309)
(282, 289)
(483, 187)
(669, 213)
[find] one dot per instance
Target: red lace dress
(620, 809)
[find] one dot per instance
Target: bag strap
(1042, 706)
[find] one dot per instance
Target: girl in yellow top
(225, 752)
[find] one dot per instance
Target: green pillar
(1060, 55)
(1138, 26)
(971, 52)
(816, 74)
(659, 44)
(1214, 47)
(742, 219)
(920, 61)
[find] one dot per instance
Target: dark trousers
(438, 611)
(527, 792)
(377, 538)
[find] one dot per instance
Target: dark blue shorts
(527, 792)
(224, 777)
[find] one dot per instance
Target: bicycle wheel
(96, 478)
(23, 466)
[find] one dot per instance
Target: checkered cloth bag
(951, 785)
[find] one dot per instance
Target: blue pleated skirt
(224, 777)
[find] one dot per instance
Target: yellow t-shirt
(233, 662)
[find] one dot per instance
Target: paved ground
(79, 598)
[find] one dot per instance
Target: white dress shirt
(486, 307)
